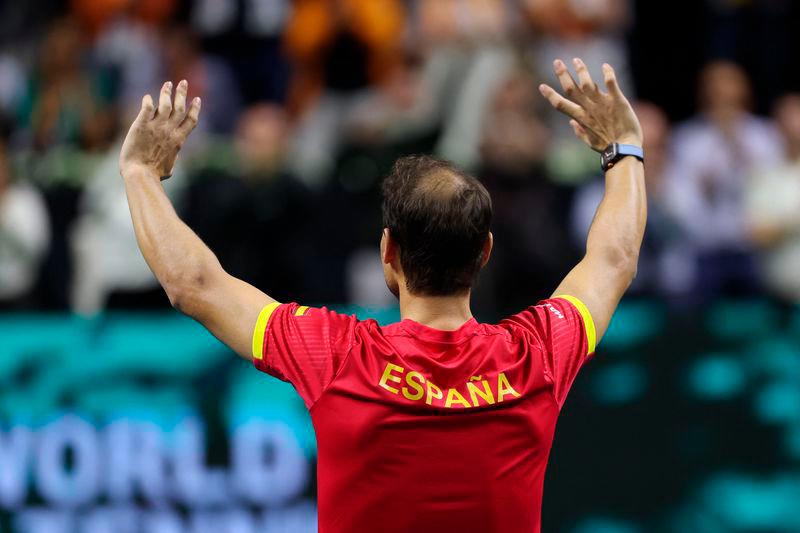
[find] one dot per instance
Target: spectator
(468, 56)
(773, 207)
(96, 15)
(341, 45)
(209, 77)
(666, 263)
(24, 237)
(108, 269)
(252, 212)
(713, 154)
(129, 50)
(401, 108)
(531, 250)
(248, 35)
(591, 29)
(12, 83)
(515, 139)
(66, 103)
(339, 50)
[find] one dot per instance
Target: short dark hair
(439, 216)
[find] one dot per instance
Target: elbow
(185, 290)
(624, 262)
(178, 297)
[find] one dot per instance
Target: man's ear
(487, 249)
(388, 247)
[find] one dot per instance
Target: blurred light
(384, 316)
(741, 319)
(717, 377)
(599, 524)
(792, 441)
(633, 323)
(776, 356)
(778, 402)
(745, 503)
(619, 383)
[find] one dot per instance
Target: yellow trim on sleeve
(261, 328)
(588, 323)
(301, 310)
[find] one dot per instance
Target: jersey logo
(475, 392)
(555, 311)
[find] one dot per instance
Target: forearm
(615, 236)
(189, 272)
(612, 249)
(181, 262)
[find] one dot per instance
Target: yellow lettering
(433, 392)
(504, 388)
(453, 396)
(486, 393)
(416, 385)
(387, 376)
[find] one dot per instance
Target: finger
(580, 132)
(165, 101)
(179, 108)
(560, 103)
(585, 81)
(192, 117)
(147, 109)
(610, 78)
(565, 78)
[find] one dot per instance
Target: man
(437, 423)
(712, 156)
(772, 207)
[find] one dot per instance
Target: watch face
(609, 154)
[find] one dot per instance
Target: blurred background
(117, 414)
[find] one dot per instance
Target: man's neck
(439, 312)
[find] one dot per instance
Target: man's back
(426, 430)
(389, 460)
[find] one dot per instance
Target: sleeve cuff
(261, 330)
(588, 323)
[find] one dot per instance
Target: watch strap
(616, 151)
(630, 149)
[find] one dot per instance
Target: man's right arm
(615, 237)
(185, 267)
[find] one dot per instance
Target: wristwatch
(615, 151)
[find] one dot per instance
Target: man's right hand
(156, 136)
(599, 118)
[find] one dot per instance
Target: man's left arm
(599, 118)
(186, 268)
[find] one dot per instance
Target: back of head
(439, 217)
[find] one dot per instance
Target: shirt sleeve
(565, 330)
(303, 345)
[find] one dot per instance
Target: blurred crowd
(306, 104)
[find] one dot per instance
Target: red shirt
(426, 430)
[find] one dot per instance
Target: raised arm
(188, 271)
(600, 118)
